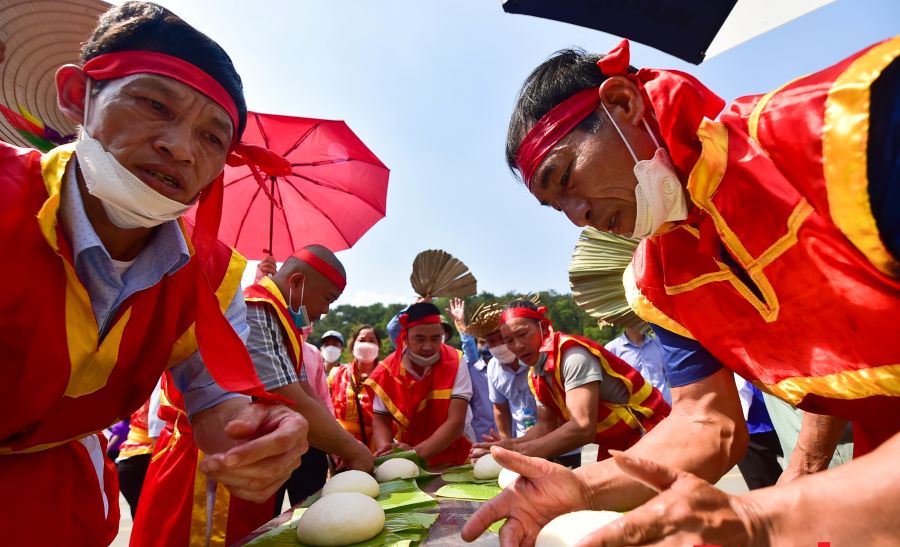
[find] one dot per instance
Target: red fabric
(619, 436)
(137, 430)
(322, 267)
(820, 286)
(167, 506)
(678, 100)
(335, 191)
(512, 313)
(53, 497)
(406, 394)
(119, 64)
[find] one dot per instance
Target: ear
(71, 86)
(623, 99)
(296, 279)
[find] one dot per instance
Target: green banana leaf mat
(463, 473)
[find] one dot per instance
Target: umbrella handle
(271, 214)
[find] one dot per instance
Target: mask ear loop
(87, 105)
(619, 131)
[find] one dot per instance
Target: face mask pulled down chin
(503, 354)
(658, 194)
(128, 201)
(365, 352)
(422, 361)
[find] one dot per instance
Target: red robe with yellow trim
(419, 407)
(138, 441)
(345, 392)
(61, 381)
(618, 425)
(177, 511)
(805, 306)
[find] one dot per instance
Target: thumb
(246, 421)
(656, 476)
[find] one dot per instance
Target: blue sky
(429, 87)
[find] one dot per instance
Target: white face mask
(365, 352)
(503, 354)
(423, 361)
(330, 353)
(659, 194)
(128, 201)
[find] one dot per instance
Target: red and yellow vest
(138, 441)
(267, 292)
(345, 392)
(806, 314)
(618, 425)
(420, 406)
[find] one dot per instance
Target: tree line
(562, 310)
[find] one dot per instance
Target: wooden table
(452, 515)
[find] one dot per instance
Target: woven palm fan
(438, 273)
(595, 275)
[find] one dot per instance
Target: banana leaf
(400, 530)
(463, 473)
(408, 455)
(396, 495)
(496, 526)
(468, 491)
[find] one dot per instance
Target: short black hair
(564, 74)
(522, 303)
(145, 26)
(420, 310)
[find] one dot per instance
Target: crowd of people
(779, 218)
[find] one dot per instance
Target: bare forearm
(819, 436)
(707, 448)
(564, 438)
(503, 420)
(325, 433)
(381, 430)
(854, 504)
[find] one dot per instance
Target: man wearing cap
(778, 218)
(422, 389)
(278, 308)
(118, 291)
(331, 346)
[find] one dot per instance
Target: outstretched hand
(457, 311)
(688, 511)
(543, 491)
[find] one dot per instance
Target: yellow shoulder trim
(388, 403)
(847, 385)
(53, 167)
(645, 309)
(845, 134)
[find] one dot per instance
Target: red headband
(427, 320)
(679, 101)
(324, 268)
(125, 63)
(528, 313)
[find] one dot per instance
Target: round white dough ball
(352, 481)
(397, 468)
(566, 530)
(343, 518)
(486, 467)
(506, 477)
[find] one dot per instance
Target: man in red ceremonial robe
(421, 391)
(593, 396)
(777, 218)
(180, 506)
(118, 291)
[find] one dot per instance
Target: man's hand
(492, 436)
(388, 448)
(688, 511)
(267, 266)
(361, 459)
(480, 449)
(457, 311)
(270, 440)
(545, 490)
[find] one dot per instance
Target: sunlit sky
(429, 86)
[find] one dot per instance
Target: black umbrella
(689, 29)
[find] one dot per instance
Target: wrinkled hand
(457, 311)
(688, 511)
(388, 448)
(480, 449)
(491, 437)
(545, 490)
(270, 440)
(2, 51)
(266, 266)
(791, 473)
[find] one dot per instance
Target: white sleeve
(462, 384)
(378, 406)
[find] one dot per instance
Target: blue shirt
(647, 358)
(165, 253)
(506, 386)
(482, 409)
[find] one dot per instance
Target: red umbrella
(336, 191)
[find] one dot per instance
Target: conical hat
(595, 275)
(438, 273)
(40, 36)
